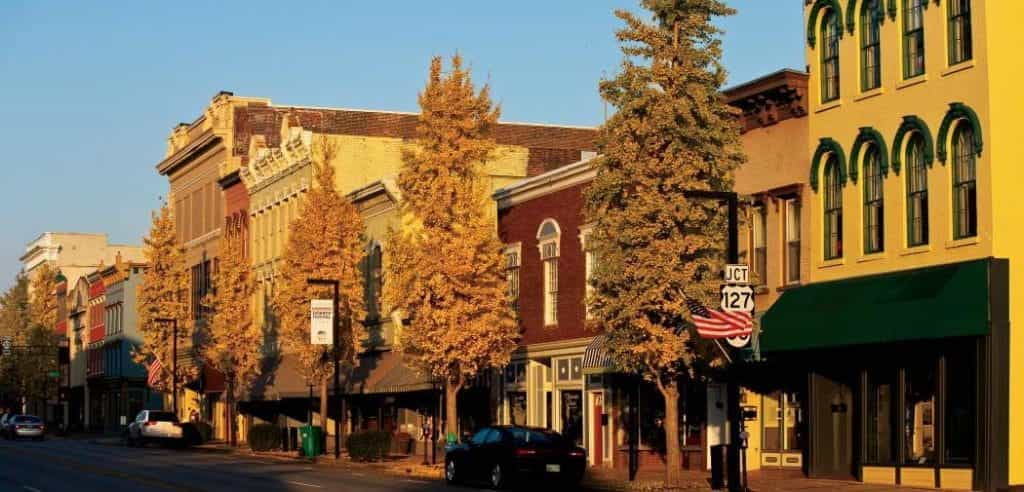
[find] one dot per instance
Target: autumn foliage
(445, 267)
(671, 132)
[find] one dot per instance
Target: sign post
(321, 322)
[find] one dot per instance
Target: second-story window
(590, 259)
(792, 257)
(833, 219)
(913, 38)
(874, 202)
(512, 277)
(961, 47)
(830, 32)
(870, 46)
(965, 193)
(548, 238)
(760, 235)
(917, 193)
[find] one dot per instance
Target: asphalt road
(81, 466)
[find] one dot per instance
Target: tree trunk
(451, 408)
(323, 402)
(673, 454)
(232, 434)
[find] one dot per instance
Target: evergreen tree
(445, 266)
(671, 132)
(324, 242)
(233, 342)
(163, 295)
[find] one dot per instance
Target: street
(60, 465)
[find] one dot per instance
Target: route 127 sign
(737, 297)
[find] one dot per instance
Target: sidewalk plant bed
(368, 445)
(264, 437)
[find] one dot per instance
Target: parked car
(28, 426)
(154, 426)
(3, 423)
(504, 454)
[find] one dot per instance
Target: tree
(671, 132)
(163, 295)
(43, 299)
(325, 243)
(445, 265)
(33, 354)
(233, 342)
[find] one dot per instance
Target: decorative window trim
(867, 135)
(812, 19)
(852, 13)
(910, 124)
(825, 146)
(517, 249)
(958, 111)
(550, 302)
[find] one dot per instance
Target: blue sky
(90, 90)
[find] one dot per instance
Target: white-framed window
(759, 232)
(792, 240)
(548, 237)
(512, 263)
(590, 263)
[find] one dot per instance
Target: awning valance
(928, 303)
(595, 357)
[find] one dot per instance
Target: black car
(503, 454)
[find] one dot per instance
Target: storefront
(905, 376)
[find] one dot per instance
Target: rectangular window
(590, 259)
(831, 32)
(792, 241)
(512, 278)
(960, 44)
(760, 234)
(919, 413)
(959, 419)
(871, 46)
(549, 255)
(881, 429)
(917, 194)
(913, 38)
(874, 211)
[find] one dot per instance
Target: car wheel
(449, 471)
(497, 477)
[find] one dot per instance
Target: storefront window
(772, 436)
(517, 407)
(880, 401)
(572, 415)
(782, 419)
(960, 404)
(919, 414)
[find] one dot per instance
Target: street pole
(337, 362)
(174, 360)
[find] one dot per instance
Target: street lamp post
(337, 363)
(174, 360)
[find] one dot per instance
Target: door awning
(927, 303)
(595, 357)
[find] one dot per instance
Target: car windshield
(162, 417)
(536, 437)
(26, 419)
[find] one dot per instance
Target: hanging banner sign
(321, 322)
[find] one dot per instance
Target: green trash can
(311, 439)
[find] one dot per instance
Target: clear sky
(89, 91)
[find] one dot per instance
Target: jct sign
(737, 274)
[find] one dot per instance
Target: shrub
(402, 443)
(264, 437)
(195, 433)
(205, 431)
(368, 445)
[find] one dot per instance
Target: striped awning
(595, 357)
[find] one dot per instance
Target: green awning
(927, 303)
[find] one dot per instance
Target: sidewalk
(758, 481)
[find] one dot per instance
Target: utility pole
(174, 360)
(337, 363)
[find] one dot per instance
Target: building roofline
(412, 113)
(778, 74)
(524, 189)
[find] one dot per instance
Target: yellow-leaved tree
(445, 264)
(656, 247)
(324, 243)
(163, 299)
(233, 342)
(42, 296)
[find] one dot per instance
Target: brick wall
(519, 223)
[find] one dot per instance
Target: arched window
(374, 280)
(870, 46)
(874, 202)
(917, 192)
(833, 209)
(830, 33)
(961, 47)
(965, 193)
(548, 237)
(913, 38)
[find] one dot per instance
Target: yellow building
(903, 335)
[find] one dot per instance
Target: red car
(504, 454)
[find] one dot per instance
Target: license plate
(553, 468)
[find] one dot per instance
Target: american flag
(712, 323)
(154, 369)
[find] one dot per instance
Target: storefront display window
(919, 414)
(572, 416)
(959, 409)
(517, 407)
(879, 432)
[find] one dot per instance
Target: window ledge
(869, 94)
(829, 105)
(959, 67)
(959, 243)
(832, 263)
(872, 257)
(920, 79)
(916, 250)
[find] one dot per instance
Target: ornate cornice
(266, 165)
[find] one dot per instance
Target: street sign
(738, 341)
(53, 374)
(321, 322)
(737, 274)
(737, 298)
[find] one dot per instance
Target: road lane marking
(306, 484)
(30, 489)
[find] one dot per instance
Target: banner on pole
(321, 323)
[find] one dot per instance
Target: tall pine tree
(671, 132)
(325, 242)
(445, 266)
